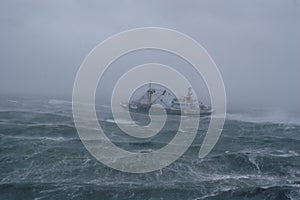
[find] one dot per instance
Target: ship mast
(150, 91)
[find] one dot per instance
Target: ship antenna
(149, 94)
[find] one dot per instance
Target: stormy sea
(42, 157)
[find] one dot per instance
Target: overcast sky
(255, 43)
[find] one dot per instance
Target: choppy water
(42, 157)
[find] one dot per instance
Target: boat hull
(169, 111)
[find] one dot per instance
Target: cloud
(254, 43)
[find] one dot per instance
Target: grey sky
(256, 44)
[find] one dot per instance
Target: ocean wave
(36, 125)
(59, 102)
(13, 101)
(282, 192)
(265, 117)
(34, 113)
(22, 137)
(120, 121)
(116, 190)
(268, 152)
(43, 157)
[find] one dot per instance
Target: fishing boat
(187, 105)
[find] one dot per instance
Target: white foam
(37, 138)
(120, 121)
(58, 102)
(270, 152)
(13, 101)
(274, 116)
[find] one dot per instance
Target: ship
(187, 105)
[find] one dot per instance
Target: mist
(255, 44)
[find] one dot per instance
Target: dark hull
(145, 109)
